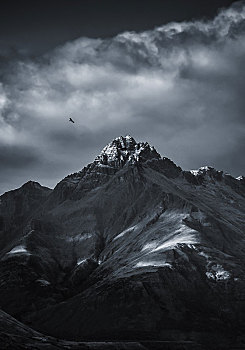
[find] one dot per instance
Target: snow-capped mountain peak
(120, 152)
(241, 178)
(203, 170)
(207, 170)
(125, 149)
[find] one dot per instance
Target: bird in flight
(71, 120)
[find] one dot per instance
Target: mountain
(131, 247)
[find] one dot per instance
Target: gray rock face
(16, 208)
(131, 247)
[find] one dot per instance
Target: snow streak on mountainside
(131, 247)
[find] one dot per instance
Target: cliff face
(131, 247)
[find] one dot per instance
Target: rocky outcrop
(121, 152)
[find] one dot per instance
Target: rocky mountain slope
(131, 247)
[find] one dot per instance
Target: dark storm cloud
(34, 27)
(179, 86)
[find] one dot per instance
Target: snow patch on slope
(19, 249)
(218, 273)
(43, 282)
(80, 237)
(80, 261)
(184, 235)
(153, 263)
(128, 230)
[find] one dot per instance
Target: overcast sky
(178, 85)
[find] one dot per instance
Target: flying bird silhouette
(71, 120)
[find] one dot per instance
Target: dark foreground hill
(131, 248)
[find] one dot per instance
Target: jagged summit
(121, 151)
(125, 149)
(208, 174)
(241, 178)
(207, 170)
